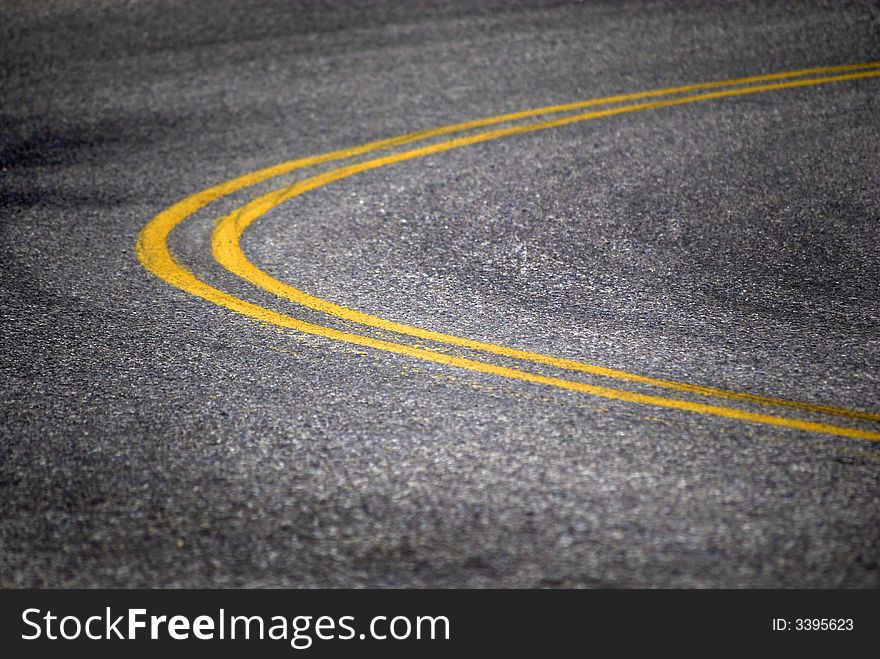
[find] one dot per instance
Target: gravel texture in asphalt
(151, 438)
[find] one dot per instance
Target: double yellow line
(152, 249)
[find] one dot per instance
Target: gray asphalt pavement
(152, 438)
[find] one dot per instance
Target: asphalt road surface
(226, 417)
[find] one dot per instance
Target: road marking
(153, 252)
(226, 247)
(194, 203)
(162, 261)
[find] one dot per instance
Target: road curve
(625, 338)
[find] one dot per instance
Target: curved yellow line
(153, 253)
(201, 199)
(228, 253)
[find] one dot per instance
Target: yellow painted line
(227, 250)
(153, 253)
(201, 199)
